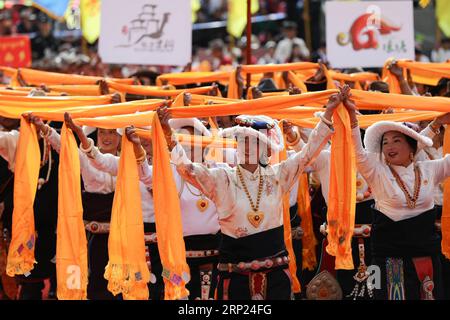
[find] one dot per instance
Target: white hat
(252, 126)
(374, 134)
(87, 130)
(190, 122)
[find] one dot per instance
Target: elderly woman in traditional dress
(253, 261)
(405, 244)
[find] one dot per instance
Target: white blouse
(321, 166)
(222, 185)
(195, 221)
(94, 180)
(99, 172)
(8, 147)
(430, 153)
(389, 197)
(110, 164)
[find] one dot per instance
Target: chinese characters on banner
(15, 51)
(367, 33)
(157, 32)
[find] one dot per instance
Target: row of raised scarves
(421, 72)
(127, 272)
(425, 73)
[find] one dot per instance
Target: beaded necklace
(255, 217)
(410, 200)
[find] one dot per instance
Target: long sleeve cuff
(91, 151)
(297, 144)
(54, 139)
(145, 172)
(323, 130)
(356, 136)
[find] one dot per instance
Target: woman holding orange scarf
(108, 164)
(8, 136)
(43, 242)
(405, 244)
(199, 215)
(45, 218)
(321, 169)
(97, 198)
(253, 260)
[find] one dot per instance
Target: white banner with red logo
(366, 33)
(157, 32)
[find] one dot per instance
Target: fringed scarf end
(19, 265)
(175, 292)
(309, 259)
(131, 281)
(71, 294)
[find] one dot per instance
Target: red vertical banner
(15, 51)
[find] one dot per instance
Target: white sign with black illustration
(146, 32)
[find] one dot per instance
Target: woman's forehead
(393, 134)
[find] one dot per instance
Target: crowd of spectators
(55, 48)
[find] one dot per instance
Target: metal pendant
(324, 287)
(202, 204)
(255, 218)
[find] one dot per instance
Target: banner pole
(249, 39)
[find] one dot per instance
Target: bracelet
(296, 140)
(327, 122)
(355, 124)
(141, 158)
(89, 149)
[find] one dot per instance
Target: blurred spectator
(271, 6)
(320, 54)
(218, 9)
(296, 55)
(269, 56)
(44, 44)
(115, 71)
(440, 89)
(219, 58)
(420, 56)
(146, 77)
(212, 10)
(285, 47)
(27, 21)
(255, 45)
(442, 54)
(6, 25)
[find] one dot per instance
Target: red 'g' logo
(364, 33)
